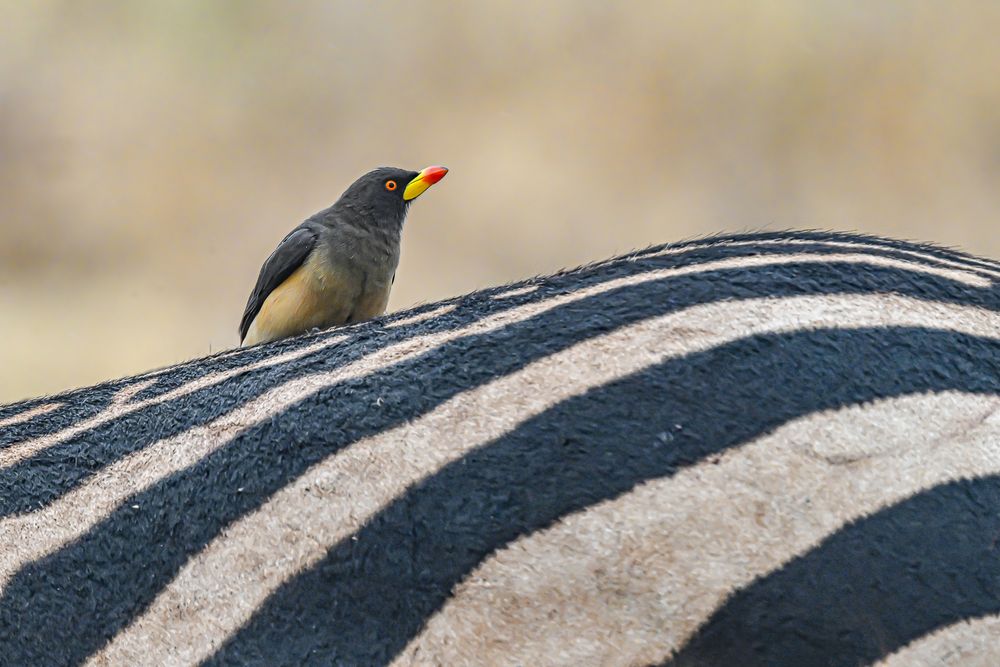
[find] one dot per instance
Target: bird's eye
(390, 185)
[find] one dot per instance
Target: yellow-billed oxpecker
(338, 266)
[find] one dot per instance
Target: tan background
(153, 153)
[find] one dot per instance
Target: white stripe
(515, 291)
(969, 264)
(21, 417)
(20, 451)
(421, 317)
(221, 587)
(120, 404)
(41, 532)
(628, 581)
(971, 643)
(35, 534)
(156, 372)
(966, 277)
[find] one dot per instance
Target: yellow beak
(424, 180)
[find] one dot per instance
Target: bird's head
(385, 193)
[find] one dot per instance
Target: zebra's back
(775, 449)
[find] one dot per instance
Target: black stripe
(233, 359)
(869, 589)
(84, 403)
(714, 253)
(148, 545)
(374, 591)
(74, 410)
(41, 478)
(227, 359)
(401, 566)
(941, 252)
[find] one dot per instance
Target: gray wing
(288, 256)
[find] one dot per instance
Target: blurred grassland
(153, 153)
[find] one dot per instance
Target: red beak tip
(435, 174)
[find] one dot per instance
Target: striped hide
(763, 449)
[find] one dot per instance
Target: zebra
(772, 448)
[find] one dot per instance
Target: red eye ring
(390, 185)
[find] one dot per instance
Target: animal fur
(765, 449)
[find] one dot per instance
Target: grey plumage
(338, 266)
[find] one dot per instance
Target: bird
(338, 266)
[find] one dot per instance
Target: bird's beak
(424, 180)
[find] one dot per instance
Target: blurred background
(153, 153)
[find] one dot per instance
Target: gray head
(383, 195)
